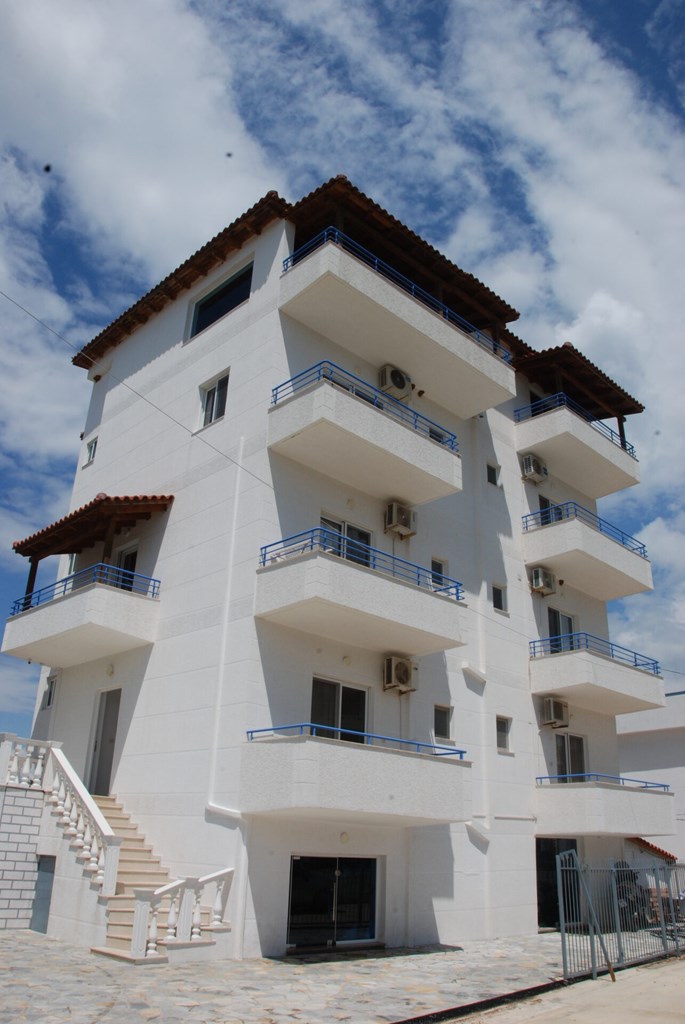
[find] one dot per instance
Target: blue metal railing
(561, 400)
(320, 538)
(368, 738)
(109, 575)
(572, 510)
(326, 370)
(617, 780)
(594, 644)
(332, 234)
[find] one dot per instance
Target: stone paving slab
(49, 982)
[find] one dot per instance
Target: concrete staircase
(139, 867)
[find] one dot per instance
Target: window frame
(508, 721)
(501, 589)
(210, 390)
(439, 736)
(337, 731)
(492, 469)
(91, 450)
(213, 294)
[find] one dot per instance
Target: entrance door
(332, 899)
(546, 851)
(105, 735)
(560, 631)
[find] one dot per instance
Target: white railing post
(185, 914)
(141, 917)
(7, 742)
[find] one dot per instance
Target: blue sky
(539, 144)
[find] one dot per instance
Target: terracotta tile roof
(651, 848)
(87, 525)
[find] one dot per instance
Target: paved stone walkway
(42, 980)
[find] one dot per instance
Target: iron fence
(616, 915)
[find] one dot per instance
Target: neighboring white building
(651, 745)
(296, 445)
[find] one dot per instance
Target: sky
(540, 144)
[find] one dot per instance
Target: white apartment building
(331, 607)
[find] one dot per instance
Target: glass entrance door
(332, 899)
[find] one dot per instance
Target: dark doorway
(41, 900)
(105, 736)
(332, 899)
(546, 851)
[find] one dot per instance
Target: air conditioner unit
(394, 381)
(533, 468)
(554, 712)
(400, 519)
(542, 580)
(398, 674)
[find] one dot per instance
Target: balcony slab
(328, 596)
(333, 432)
(86, 624)
(603, 809)
(312, 777)
(587, 560)
(577, 452)
(341, 298)
(596, 683)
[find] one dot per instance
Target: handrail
(331, 234)
(562, 644)
(108, 575)
(599, 776)
(572, 510)
(328, 371)
(184, 916)
(325, 732)
(561, 400)
(330, 542)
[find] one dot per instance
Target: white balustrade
(183, 899)
(23, 761)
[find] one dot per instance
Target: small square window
(503, 731)
(499, 597)
(91, 448)
(214, 400)
(441, 722)
(493, 474)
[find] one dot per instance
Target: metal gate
(614, 916)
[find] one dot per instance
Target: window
(222, 300)
(91, 448)
(49, 693)
(570, 751)
(493, 474)
(503, 731)
(346, 540)
(214, 400)
(338, 708)
(441, 722)
(127, 567)
(560, 631)
(438, 572)
(499, 597)
(549, 512)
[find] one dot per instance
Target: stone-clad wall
(20, 813)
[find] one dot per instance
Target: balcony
(603, 805)
(592, 673)
(579, 449)
(335, 423)
(94, 613)
(291, 772)
(587, 552)
(345, 293)
(322, 583)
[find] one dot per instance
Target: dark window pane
(352, 713)
(325, 706)
(222, 301)
(441, 722)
